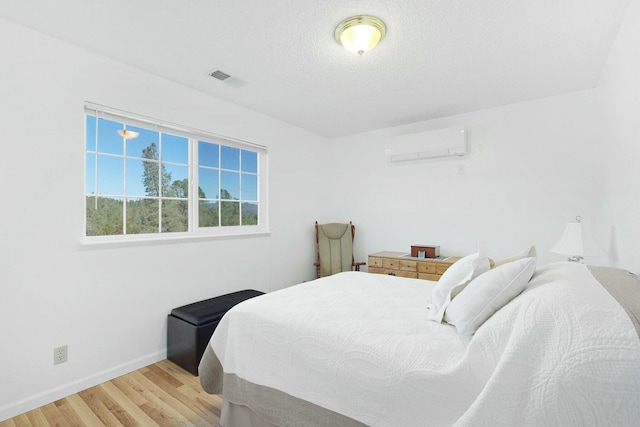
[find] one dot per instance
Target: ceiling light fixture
(360, 33)
(128, 134)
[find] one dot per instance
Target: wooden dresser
(398, 264)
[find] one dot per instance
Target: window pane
(151, 170)
(91, 174)
(179, 181)
(229, 158)
(108, 139)
(249, 214)
(144, 145)
(91, 133)
(208, 154)
(175, 149)
(208, 214)
(208, 183)
(230, 213)
(229, 185)
(178, 188)
(142, 216)
(110, 175)
(134, 178)
(249, 187)
(104, 216)
(249, 161)
(175, 216)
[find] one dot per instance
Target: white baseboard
(16, 408)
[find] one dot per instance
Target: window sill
(89, 244)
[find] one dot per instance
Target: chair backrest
(334, 247)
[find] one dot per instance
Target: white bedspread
(562, 353)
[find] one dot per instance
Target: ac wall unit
(449, 142)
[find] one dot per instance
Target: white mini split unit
(449, 142)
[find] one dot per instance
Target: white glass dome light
(360, 33)
(128, 134)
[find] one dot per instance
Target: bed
(358, 349)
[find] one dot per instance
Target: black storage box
(190, 327)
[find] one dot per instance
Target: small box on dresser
(427, 251)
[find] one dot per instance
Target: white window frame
(194, 136)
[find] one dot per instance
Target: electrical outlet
(59, 355)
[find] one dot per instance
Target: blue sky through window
(135, 170)
(249, 161)
(229, 158)
(110, 173)
(230, 181)
(136, 145)
(175, 149)
(208, 154)
(209, 182)
(220, 167)
(109, 142)
(249, 187)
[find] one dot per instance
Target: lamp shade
(576, 243)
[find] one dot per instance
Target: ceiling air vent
(219, 75)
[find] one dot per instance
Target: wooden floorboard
(162, 394)
(71, 416)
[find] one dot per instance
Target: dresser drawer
(405, 265)
(427, 276)
(377, 270)
(427, 267)
(375, 262)
(441, 268)
(398, 273)
(409, 274)
(390, 263)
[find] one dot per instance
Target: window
(146, 179)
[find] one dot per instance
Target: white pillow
(455, 279)
(489, 293)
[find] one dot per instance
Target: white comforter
(562, 353)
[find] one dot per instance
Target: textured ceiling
(440, 57)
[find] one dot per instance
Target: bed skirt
(252, 405)
(233, 415)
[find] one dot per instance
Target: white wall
(620, 88)
(109, 305)
(530, 168)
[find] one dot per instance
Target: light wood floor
(162, 394)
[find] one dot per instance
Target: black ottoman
(190, 327)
